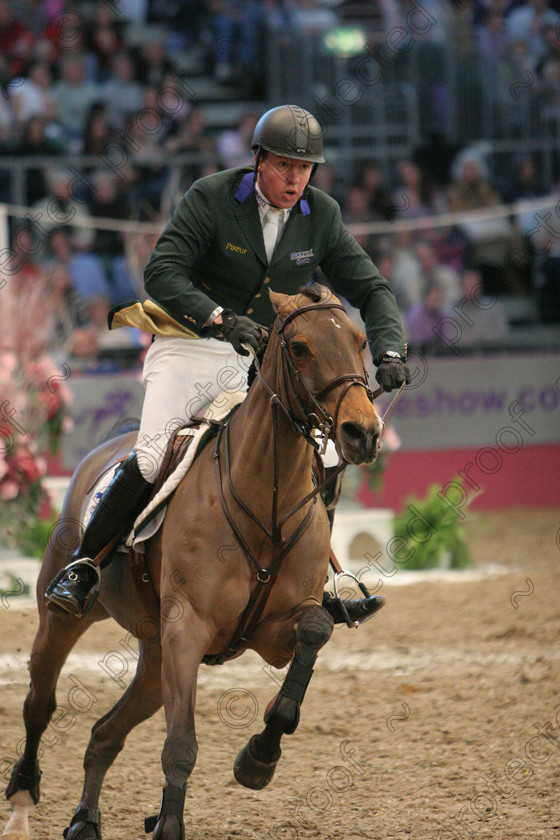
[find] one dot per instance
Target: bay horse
(252, 489)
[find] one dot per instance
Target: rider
(233, 235)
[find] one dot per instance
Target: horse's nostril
(356, 435)
(352, 433)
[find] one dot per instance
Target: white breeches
(182, 378)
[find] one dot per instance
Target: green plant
(431, 530)
(15, 587)
(33, 541)
(374, 472)
(23, 514)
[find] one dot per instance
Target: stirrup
(363, 588)
(93, 593)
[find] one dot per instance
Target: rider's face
(282, 180)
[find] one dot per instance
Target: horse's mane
(315, 292)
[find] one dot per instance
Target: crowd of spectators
(72, 81)
(520, 42)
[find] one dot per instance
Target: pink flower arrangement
(24, 500)
(52, 398)
(34, 411)
(9, 489)
(8, 365)
(23, 497)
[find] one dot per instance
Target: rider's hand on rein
(392, 372)
(238, 330)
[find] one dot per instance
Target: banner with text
(450, 404)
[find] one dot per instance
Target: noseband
(319, 418)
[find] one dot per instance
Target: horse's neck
(253, 451)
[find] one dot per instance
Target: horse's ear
(279, 301)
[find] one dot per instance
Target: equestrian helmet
(290, 131)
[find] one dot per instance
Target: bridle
(318, 419)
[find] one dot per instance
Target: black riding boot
(360, 609)
(76, 586)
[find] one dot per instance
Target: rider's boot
(360, 609)
(76, 586)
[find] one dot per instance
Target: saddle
(178, 447)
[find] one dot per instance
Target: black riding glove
(239, 330)
(391, 370)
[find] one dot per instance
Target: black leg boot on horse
(362, 608)
(76, 586)
(255, 765)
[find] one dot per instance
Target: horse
(252, 491)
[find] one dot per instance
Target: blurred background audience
(113, 118)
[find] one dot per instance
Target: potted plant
(433, 530)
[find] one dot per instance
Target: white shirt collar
(265, 205)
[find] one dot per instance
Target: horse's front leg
(184, 643)
(255, 765)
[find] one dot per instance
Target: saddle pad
(139, 533)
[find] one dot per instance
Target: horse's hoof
(17, 827)
(250, 772)
(169, 828)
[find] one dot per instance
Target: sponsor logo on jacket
(302, 257)
(237, 248)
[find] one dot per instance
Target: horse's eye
(299, 350)
(364, 345)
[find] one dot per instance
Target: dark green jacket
(212, 254)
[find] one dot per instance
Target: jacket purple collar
(247, 186)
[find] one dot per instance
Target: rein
(305, 425)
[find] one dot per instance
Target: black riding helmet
(290, 131)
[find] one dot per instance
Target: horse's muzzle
(359, 444)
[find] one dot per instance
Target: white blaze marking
(336, 325)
